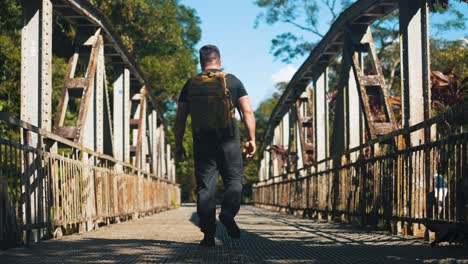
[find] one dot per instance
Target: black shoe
(207, 241)
(231, 226)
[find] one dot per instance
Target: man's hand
(179, 129)
(180, 153)
(249, 122)
(249, 148)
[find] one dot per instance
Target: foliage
(265, 108)
(10, 60)
(162, 35)
(449, 56)
(10, 56)
(447, 90)
(449, 75)
(303, 15)
(59, 67)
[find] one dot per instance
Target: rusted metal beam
(303, 117)
(6, 117)
(139, 153)
(99, 20)
(339, 27)
(369, 84)
(86, 125)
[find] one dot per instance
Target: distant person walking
(211, 98)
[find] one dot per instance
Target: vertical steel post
(127, 104)
(285, 132)
(119, 109)
(321, 116)
(413, 43)
(353, 114)
(150, 138)
(261, 173)
(276, 141)
(168, 161)
(414, 52)
(153, 141)
(36, 64)
(144, 140)
(158, 151)
(134, 142)
(99, 80)
(268, 165)
(300, 158)
(161, 153)
(36, 95)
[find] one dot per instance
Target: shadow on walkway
(266, 238)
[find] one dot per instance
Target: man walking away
(211, 98)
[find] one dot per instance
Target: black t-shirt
(235, 86)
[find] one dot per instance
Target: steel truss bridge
(114, 162)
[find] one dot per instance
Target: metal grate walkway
(172, 237)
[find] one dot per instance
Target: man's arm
(179, 128)
(249, 121)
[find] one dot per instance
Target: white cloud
(284, 74)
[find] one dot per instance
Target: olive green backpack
(209, 101)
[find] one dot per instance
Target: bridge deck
(172, 237)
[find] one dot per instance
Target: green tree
(10, 56)
(10, 62)
(450, 56)
(265, 108)
(162, 35)
(304, 16)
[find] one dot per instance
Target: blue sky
(245, 50)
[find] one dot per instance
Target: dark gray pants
(217, 153)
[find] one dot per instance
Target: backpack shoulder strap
(224, 76)
(227, 93)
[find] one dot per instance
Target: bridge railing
(383, 188)
(101, 154)
(355, 160)
(75, 190)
